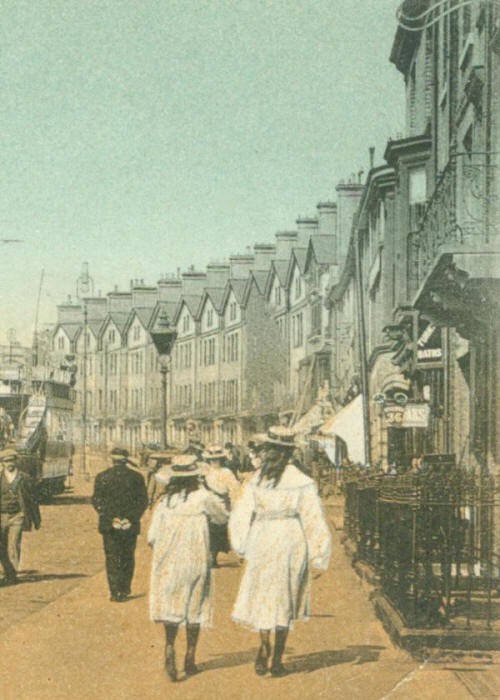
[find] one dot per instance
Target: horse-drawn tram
(36, 414)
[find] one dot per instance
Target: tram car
(37, 417)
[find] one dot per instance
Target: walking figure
(120, 499)
(19, 512)
(221, 480)
(278, 526)
(180, 575)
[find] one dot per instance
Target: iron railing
(430, 539)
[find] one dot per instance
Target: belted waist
(276, 515)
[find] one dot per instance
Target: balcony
(458, 214)
(456, 246)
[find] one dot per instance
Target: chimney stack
(285, 241)
(263, 253)
(169, 289)
(193, 282)
(218, 274)
(306, 227)
(241, 265)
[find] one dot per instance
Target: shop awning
(314, 417)
(348, 425)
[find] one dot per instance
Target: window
(298, 287)
(277, 295)
(210, 318)
(137, 333)
(185, 323)
(60, 343)
(417, 186)
(232, 311)
(297, 330)
(111, 336)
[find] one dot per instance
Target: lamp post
(163, 335)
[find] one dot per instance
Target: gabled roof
(298, 257)
(119, 318)
(322, 247)
(216, 296)
(143, 313)
(252, 283)
(278, 269)
(191, 302)
(71, 329)
(236, 286)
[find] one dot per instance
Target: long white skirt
(180, 574)
(274, 589)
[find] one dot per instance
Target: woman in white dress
(180, 574)
(278, 526)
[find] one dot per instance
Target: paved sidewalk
(82, 647)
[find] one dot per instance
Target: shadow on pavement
(68, 500)
(323, 659)
(237, 658)
(36, 577)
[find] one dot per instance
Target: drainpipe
(358, 276)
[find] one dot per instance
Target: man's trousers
(11, 532)
(119, 549)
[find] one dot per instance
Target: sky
(143, 136)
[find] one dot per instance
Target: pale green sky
(147, 135)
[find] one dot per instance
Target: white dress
(281, 532)
(180, 573)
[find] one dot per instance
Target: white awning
(310, 420)
(348, 425)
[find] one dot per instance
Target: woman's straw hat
(181, 466)
(280, 436)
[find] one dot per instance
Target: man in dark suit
(120, 499)
(19, 511)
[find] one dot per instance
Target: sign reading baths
(429, 344)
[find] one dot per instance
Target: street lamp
(163, 335)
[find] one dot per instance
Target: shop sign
(413, 415)
(429, 345)
(416, 415)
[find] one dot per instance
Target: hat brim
(278, 443)
(165, 476)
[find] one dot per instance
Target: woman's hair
(274, 465)
(181, 485)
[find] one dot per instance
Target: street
(60, 637)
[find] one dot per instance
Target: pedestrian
(180, 574)
(155, 461)
(278, 526)
(220, 480)
(232, 457)
(19, 512)
(120, 499)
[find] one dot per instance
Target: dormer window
(185, 324)
(232, 311)
(210, 318)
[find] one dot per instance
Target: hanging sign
(429, 344)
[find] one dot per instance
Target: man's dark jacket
(26, 489)
(119, 492)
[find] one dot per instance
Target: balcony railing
(459, 212)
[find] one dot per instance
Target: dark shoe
(262, 660)
(278, 670)
(122, 597)
(170, 666)
(114, 598)
(11, 580)
(190, 668)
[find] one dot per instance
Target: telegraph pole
(84, 393)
